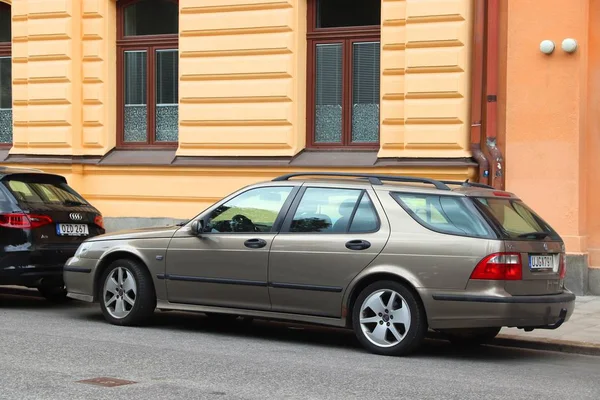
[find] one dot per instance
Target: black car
(42, 222)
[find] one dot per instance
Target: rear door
(58, 217)
(540, 247)
(330, 234)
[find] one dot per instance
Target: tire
(54, 294)
(376, 335)
(471, 337)
(134, 284)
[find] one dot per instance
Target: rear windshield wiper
(73, 203)
(535, 235)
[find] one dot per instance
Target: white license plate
(541, 262)
(72, 230)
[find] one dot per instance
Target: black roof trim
(375, 179)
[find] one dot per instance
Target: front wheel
(127, 294)
(388, 319)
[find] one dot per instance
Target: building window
(6, 117)
(147, 75)
(343, 73)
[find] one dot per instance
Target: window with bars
(6, 112)
(148, 75)
(344, 73)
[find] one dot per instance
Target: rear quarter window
(444, 214)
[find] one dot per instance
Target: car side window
(255, 210)
(365, 219)
(445, 214)
(332, 210)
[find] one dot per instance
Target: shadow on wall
(120, 224)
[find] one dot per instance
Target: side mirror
(197, 227)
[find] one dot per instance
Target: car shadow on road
(320, 336)
(264, 330)
(23, 298)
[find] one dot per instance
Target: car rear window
(32, 189)
(444, 214)
(515, 219)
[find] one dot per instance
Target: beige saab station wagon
(388, 256)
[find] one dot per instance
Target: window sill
(307, 158)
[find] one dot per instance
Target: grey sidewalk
(580, 334)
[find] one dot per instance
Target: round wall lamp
(547, 46)
(569, 45)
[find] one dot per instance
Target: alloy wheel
(385, 318)
(119, 293)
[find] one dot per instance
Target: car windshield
(515, 219)
(43, 190)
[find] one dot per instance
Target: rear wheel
(471, 337)
(126, 293)
(54, 294)
(389, 319)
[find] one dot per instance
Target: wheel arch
(365, 279)
(113, 256)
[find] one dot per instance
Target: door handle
(255, 243)
(358, 245)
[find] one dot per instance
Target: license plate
(541, 262)
(72, 230)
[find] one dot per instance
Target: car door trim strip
(275, 285)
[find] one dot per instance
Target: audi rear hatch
(57, 217)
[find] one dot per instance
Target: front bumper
(78, 276)
(462, 310)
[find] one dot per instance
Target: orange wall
(545, 113)
(593, 138)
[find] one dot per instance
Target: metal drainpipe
(491, 123)
(477, 91)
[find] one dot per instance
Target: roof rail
(468, 184)
(373, 178)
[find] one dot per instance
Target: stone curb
(563, 346)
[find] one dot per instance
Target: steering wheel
(241, 223)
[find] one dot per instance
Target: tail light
(99, 221)
(499, 266)
(24, 221)
(562, 270)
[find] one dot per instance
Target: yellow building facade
(157, 108)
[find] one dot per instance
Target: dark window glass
(365, 219)
(152, 17)
(515, 219)
(136, 108)
(341, 13)
(5, 23)
(325, 210)
(31, 190)
(446, 214)
(167, 96)
(365, 92)
(328, 93)
(6, 119)
(253, 211)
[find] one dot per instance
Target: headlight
(82, 250)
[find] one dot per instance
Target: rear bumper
(463, 310)
(33, 265)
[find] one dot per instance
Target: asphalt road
(47, 349)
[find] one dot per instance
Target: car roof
(395, 183)
(5, 171)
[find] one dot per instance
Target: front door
(329, 236)
(227, 265)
